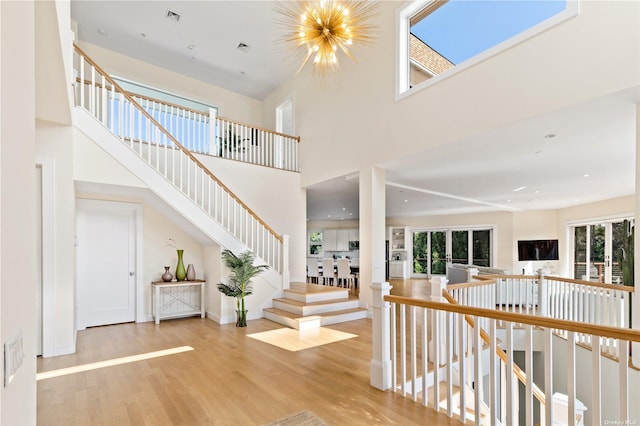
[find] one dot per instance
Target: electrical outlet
(13, 357)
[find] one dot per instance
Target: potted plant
(242, 272)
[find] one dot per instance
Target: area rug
(303, 418)
(294, 340)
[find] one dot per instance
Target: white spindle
(623, 379)
(435, 333)
(394, 357)
(449, 362)
(477, 372)
(596, 374)
(512, 386)
(414, 364)
(571, 377)
(548, 376)
(403, 349)
(528, 365)
(462, 365)
(493, 370)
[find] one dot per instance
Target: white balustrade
(483, 356)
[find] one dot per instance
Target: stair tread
(319, 303)
(291, 315)
(314, 288)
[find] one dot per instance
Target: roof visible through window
(461, 29)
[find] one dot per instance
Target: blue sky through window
(460, 29)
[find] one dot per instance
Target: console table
(176, 299)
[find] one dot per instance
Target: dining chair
(328, 273)
(345, 277)
(313, 273)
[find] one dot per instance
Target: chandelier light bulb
(324, 27)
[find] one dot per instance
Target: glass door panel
(482, 248)
(580, 253)
(438, 252)
(420, 253)
(618, 234)
(597, 252)
(460, 247)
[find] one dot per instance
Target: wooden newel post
(380, 370)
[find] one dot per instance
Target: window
(446, 36)
(315, 243)
(433, 250)
(599, 250)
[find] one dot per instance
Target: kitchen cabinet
(397, 269)
(338, 239)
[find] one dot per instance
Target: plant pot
(241, 318)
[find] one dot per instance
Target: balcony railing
(198, 131)
(436, 353)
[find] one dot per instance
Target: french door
(598, 249)
(433, 250)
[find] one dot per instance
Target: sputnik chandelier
(319, 29)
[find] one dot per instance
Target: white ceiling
(473, 175)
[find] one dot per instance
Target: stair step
(310, 293)
(289, 318)
(314, 308)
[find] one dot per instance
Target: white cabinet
(397, 238)
(329, 239)
(397, 269)
(338, 239)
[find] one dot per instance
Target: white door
(106, 262)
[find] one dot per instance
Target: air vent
(173, 16)
(244, 47)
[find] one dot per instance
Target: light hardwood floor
(229, 379)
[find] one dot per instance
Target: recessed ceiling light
(538, 152)
(586, 175)
(328, 215)
(102, 31)
(406, 201)
(191, 46)
(173, 16)
(520, 188)
(537, 191)
(344, 208)
(508, 201)
(550, 136)
(350, 214)
(244, 47)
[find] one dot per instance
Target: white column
(286, 276)
(635, 298)
(380, 367)
(372, 235)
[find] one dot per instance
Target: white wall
(17, 206)
(54, 148)
(275, 196)
(157, 229)
(351, 120)
(231, 105)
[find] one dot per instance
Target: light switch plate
(13, 357)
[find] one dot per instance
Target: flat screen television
(538, 250)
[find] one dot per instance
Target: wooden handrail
(175, 142)
(88, 82)
(619, 287)
(295, 138)
(521, 375)
(470, 285)
(496, 276)
(578, 327)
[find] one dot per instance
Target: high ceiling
(574, 156)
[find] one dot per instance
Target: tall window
(599, 250)
(445, 36)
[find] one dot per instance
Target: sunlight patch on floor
(111, 362)
(294, 340)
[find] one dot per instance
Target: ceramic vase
(181, 273)
(191, 272)
(167, 276)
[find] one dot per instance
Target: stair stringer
(168, 192)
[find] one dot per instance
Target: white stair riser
(316, 309)
(316, 297)
(335, 319)
(289, 322)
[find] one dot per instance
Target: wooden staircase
(302, 300)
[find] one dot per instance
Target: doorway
(108, 256)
